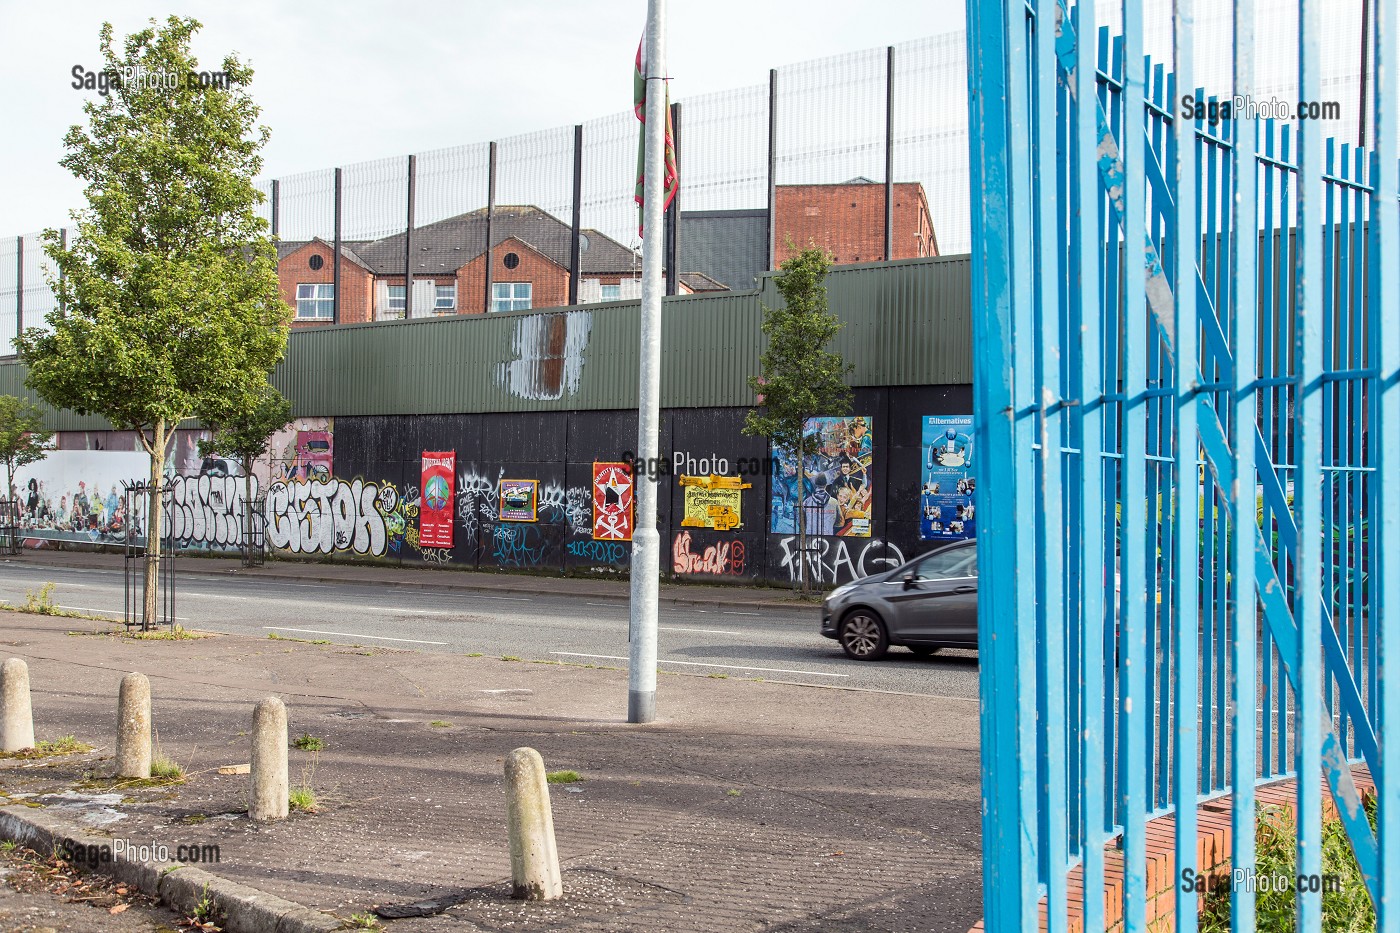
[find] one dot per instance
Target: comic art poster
(435, 515)
(520, 499)
(946, 509)
(836, 493)
(612, 502)
(713, 502)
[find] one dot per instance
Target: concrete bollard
(16, 715)
(134, 727)
(534, 860)
(267, 798)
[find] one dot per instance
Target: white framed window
(446, 299)
(612, 292)
(316, 302)
(510, 296)
(397, 301)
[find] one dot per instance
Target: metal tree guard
(1187, 342)
(9, 527)
(136, 496)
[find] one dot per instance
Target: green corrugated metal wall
(907, 323)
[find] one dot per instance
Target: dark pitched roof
(700, 282)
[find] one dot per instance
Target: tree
(168, 305)
(23, 439)
(245, 437)
(799, 377)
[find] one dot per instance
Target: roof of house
(700, 282)
(447, 245)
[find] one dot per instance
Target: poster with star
(435, 515)
(612, 502)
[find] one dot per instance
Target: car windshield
(948, 564)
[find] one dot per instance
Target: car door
(935, 599)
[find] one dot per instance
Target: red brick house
(848, 220)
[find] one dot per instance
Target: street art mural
(304, 449)
(519, 500)
(831, 560)
(837, 489)
(612, 502)
(946, 510)
(325, 516)
(713, 502)
(435, 520)
(208, 511)
(724, 558)
(76, 495)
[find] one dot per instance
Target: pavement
(746, 806)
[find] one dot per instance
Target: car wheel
(924, 651)
(863, 636)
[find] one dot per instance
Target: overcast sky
(353, 80)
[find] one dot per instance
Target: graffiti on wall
(837, 483)
(725, 558)
(833, 560)
(599, 552)
(518, 545)
(208, 510)
(565, 506)
(325, 516)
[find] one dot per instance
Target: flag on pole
(639, 100)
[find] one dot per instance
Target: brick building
(530, 255)
(848, 220)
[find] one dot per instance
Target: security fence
(864, 154)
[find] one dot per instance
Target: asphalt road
(772, 644)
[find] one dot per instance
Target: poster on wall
(519, 500)
(946, 510)
(713, 502)
(612, 502)
(436, 515)
(77, 495)
(836, 493)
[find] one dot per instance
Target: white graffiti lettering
(324, 516)
(829, 560)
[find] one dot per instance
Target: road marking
(733, 667)
(110, 612)
(607, 605)
(701, 631)
(728, 613)
(313, 631)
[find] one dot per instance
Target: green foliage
(168, 299)
(23, 439)
(563, 777)
(246, 433)
(308, 742)
(800, 378)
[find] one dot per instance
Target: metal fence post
(889, 153)
(408, 242)
(772, 167)
(335, 262)
(19, 289)
(576, 234)
(490, 215)
(673, 213)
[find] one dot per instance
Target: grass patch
(441, 724)
(1347, 907)
(302, 799)
(41, 603)
(718, 676)
(362, 921)
(733, 792)
(308, 742)
(176, 632)
(476, 654)
(305, 641)
(167, 769)
(57, 748)
(509, 657)
(563, 777)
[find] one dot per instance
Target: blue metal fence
(1187, 341)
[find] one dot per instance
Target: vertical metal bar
(1244, 244)
(997, 117)
(63, 246)
(673, 213)
(1095, 566)
(772, 167)
(889, 152)
(19, 289)
(1365, 51)
(1307, 456)
(335, 266)
(576, 231)
(1385, 298)
(1135, 552)
(1185, 611)
(408, 240)
(276, 207)
(490, 216)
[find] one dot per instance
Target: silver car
(926, 604)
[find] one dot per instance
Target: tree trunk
(154, 516)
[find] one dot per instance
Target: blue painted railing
(1187, 340)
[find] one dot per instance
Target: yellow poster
(713, 502)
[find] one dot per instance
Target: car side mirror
(909, 579)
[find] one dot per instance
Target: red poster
(435, 515)
(612, 502)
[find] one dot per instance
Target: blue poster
(946, 510)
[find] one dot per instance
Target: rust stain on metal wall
(549, 355)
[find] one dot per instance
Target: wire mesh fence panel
(532, 226)
(306, 206)
(264, 208)
(930, 143)
(451, 182)
(39, 297)
(610, 179)
(451, 189)
(9, 291)
(374, 198)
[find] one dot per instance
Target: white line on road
(313, 631)
(734, 667)
(729, 613)
(700, 631)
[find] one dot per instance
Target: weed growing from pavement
(302, 798)
(308, 742)
(56, 748)
(733, 792)
(509, 657)
(41, 603)
(305, 641)
(176, 632)
(206, 913)
(563, 777)
(363, 921)
(476, 654)
(165, 768)
(441, 724)
(718, 676)
(9, 845)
